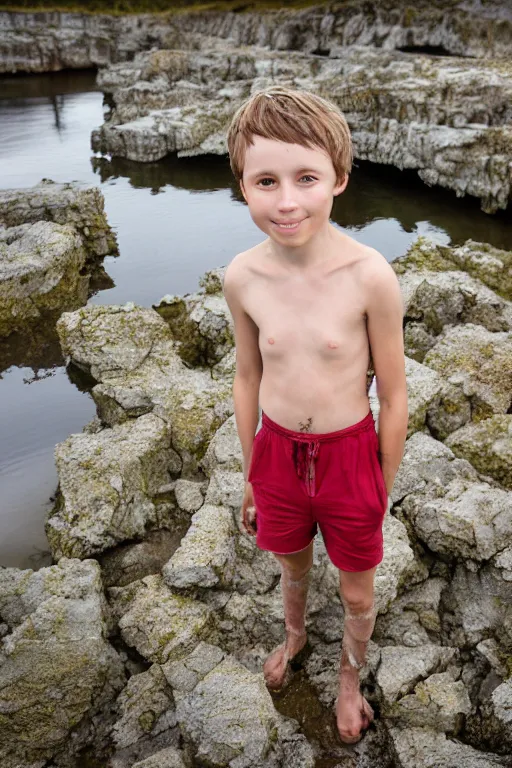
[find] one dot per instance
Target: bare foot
(353, 713)
(275, 668)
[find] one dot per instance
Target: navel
(332, 344)
(271, 341)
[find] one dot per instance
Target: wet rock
(206, 556)
(58, 621)
(129, 351)
(483, 261)
(402, 667)
(161, 625)
(424, 747)
(40, 268)
(479, 363)
(488, 446)
(109, 486)
(200, 323)
(66, 204)
(146, 707)
(439, 702)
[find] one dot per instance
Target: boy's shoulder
(238, 268)
(371, 266)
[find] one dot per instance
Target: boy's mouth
(289, 225)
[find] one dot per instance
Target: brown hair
(295, 117)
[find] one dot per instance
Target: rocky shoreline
(158, 612)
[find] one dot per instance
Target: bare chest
(325, 321)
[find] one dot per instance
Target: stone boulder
(200, 324)
(224, 450)
(67, 204)
(206, 556)
(110, 483)
(424, 747)
(57, 670)
(165, 758)
(439, 702)
(402, 667)
(479, 362)
(40, 267)
(490, 265)
(130, 352)
(160, 624)
(436, 299)
(488, 446)
(413, 619)
(497, 718)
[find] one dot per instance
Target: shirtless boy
(309, 305)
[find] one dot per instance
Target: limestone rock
(57, 669)
(165, 758)
(424, 747)
(226, 489)
(480, 363)
(439, 702)
(160, 624)
(463, 520)
(488, 446)
(229, 717)
(483, 261)
(206, 556)
(396, 564)
(224, 449)
(428, 464)
(497, 718)
(189, 496)
(146, 707)
(40, 268)
(402, 667)
(65, 204)
(443, 298)
(201, 324)
(109, 483)
(413, 619)
(130, 352)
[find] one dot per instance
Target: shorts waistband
(320, 437)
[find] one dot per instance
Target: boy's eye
(308, 177)
(263, 182)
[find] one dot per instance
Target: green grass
(116, 7)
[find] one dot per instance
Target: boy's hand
(248, 511)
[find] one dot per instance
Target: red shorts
(332, 480)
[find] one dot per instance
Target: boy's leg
(294, 587)
(353, 711)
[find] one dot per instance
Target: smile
(292, 226)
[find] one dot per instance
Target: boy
(309, 304)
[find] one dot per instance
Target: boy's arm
(249, 367)
(385, 333)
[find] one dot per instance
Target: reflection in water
(374, 194)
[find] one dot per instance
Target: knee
(296, 571)
(357, 603)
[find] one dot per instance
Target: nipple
(332, 344)
(271, 341)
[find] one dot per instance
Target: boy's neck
(318, 250)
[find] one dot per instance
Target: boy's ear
(339, 188)
(242, 190)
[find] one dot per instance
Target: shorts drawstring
(304, 457)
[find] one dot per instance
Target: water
(174, 220)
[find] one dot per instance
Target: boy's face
(289, 189)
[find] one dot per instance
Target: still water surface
(174, 220)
